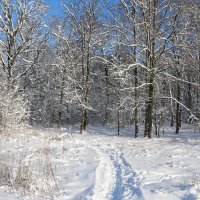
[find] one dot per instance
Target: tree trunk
(171, 106)
(151, 64)
(178, 115)
(149, 110)
(107, 95)
(156, 124)
(118, 123)
(172, 120)
(61, 99)
(83, 120)
(135, 73)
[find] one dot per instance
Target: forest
(84, 89)
(121, 63)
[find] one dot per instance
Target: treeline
(135, 62)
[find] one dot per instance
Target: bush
(13, 110)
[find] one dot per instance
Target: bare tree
(21, 28)
(21, 34)
(87, 29)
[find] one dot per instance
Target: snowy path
(127, 179)
(114, 177)
(99, 166)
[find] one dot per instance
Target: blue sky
(54, 6)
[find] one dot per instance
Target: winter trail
(115, 179)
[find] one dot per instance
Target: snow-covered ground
(99, 165)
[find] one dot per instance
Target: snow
(100, 165)
(8, 197)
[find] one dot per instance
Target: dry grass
(32, 176)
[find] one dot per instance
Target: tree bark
(178, 115)
(151, 65)
(83, 120)
(135, 73)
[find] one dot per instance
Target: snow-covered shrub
(6, 169)
(35, 175)
(13, 110)
(5, 174)
(23, 178)
(44, 177)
